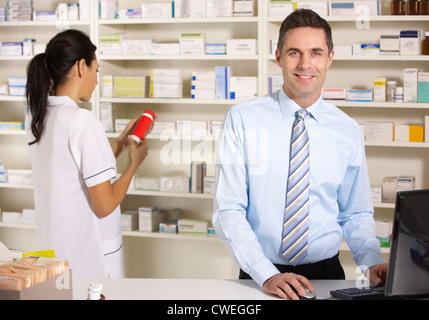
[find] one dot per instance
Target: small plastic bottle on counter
(94, 292)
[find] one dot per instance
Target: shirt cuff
(262, 271)
(100, 177)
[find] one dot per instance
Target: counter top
(191, 289)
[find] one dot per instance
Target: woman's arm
(105, 197)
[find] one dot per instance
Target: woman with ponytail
(76, 189)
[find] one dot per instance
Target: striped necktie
(295, 223)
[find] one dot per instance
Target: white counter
(191, 289)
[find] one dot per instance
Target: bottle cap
(94, 295)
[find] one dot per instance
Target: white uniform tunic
(72, 155)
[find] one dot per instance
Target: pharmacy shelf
(374, 58)
(184, 101)
(159, 235)
(15, 58)
(383, 18)
(381, 58)
(178, 20)
(372, 105)
(170, 236)
(18, 225)
(170, 194)
(12, 98)
(62, 24)
(344, 247)
(16, 186)
(397, 144)
(131, 192)
(210, 57)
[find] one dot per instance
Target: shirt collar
(288, 107)
(54, 101)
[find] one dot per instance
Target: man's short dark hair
(304, 18)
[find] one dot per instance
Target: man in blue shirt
(253, 165)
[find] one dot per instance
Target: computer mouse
(308, 295)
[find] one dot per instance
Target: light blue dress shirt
(251, 176)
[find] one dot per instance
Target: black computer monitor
(408, 271)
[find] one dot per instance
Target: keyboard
(366, 293)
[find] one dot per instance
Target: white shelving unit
(163, 255)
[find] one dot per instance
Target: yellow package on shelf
(129, 86)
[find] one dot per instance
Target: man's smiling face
(304, 60)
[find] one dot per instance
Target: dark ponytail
(49, 69)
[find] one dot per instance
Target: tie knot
(301, 114)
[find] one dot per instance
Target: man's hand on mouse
(281, 285)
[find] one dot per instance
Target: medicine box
(209, 185)
(389, 45)
(389, 189)
(334, 93)
(168, 227)
(380, 89)
(163, 128)
(198, 172)
(28, 216)
(354, 8)
(178, 184)
(146, 183)
(129, 220)
(280, 8)
(378, 131)
(130, 86)
(409, 42)
(192, 43)
(223, 82)
(121, 124)
(149, 219)
(410, 84)
(243, 87)
(215, 48)
(107, 9)
(19, 176)
(107, 116)
(189, 226)
(128, 14)
(426, 128)
(343, 50)
(11, 48)
(166, 76)
(405, 183)
(409, 133)
(423, 87)
(320, 7)
(359, 95)
(140, 47)
(241, 46)
(376, 193)
(161, 10)
(165, 48)
(243, 8)
(111, 44)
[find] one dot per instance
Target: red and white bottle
(145, 121)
